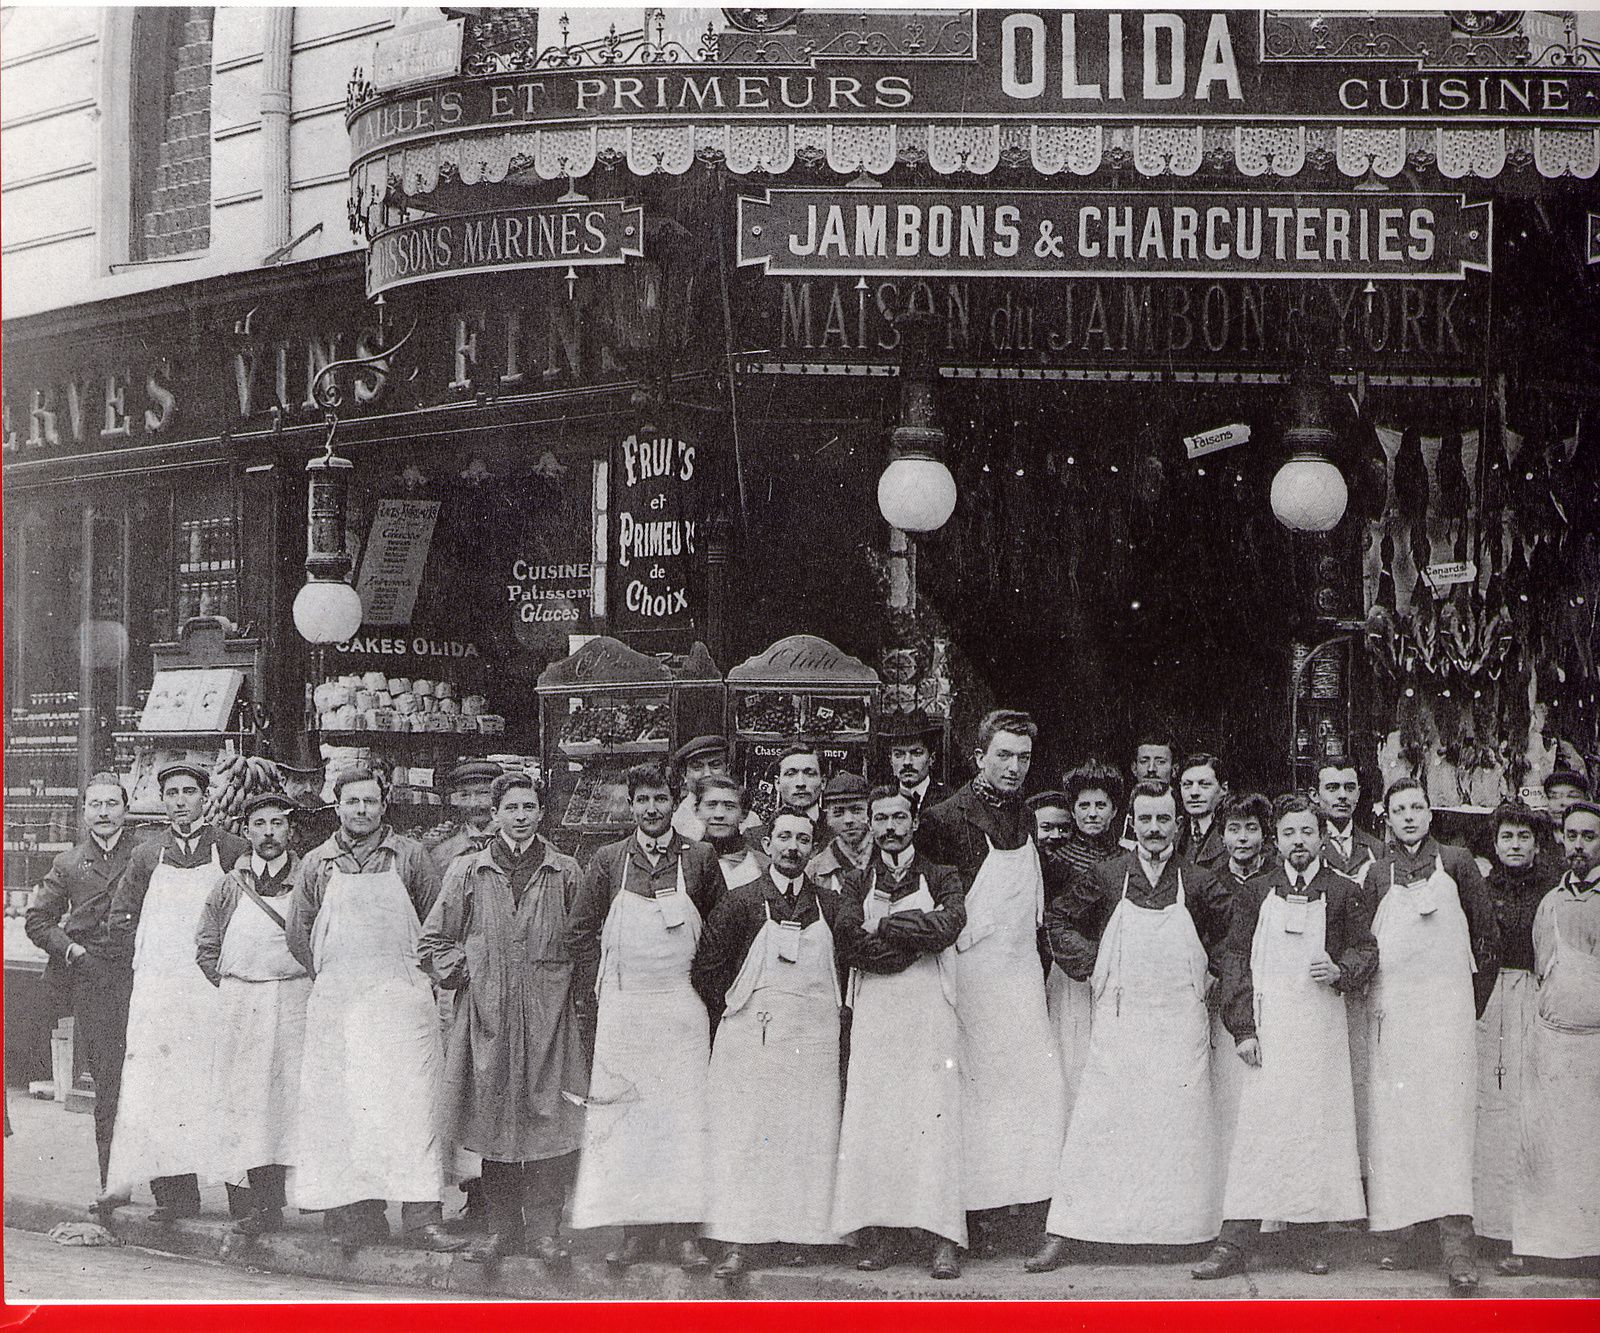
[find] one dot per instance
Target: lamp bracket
(326, 391)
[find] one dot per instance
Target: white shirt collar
(1306, 876)
(517, 848)
(1153, 869)
(788, 886)
(898, 860)
(921, 789)
(107, 846)
(654, 848)
(1202, 822)
(267, 869)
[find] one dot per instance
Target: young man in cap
(632, 937)
(67, 918)
(173, 1012)
(1348, 848)
(720, 805)
(470, 783)
(900, 1141)
(1301, 935)
(909, 739)
(844, 807)
(367, 1128)
(694, 759)
(1556, 1214)
(765, 968)
(263, 989)
(515, 1069)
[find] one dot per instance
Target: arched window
(169, 132)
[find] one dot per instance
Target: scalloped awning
(1071, 148)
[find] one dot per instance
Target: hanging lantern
(327, 609)
(916, 492)
(1309, 492)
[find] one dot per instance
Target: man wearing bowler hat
(909, 740)
(301, 772)
(471, 783)
(844, 809)
(173, 1012)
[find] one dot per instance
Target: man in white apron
(515, 1065)
(1556, 1213)
(1013, 1107)
(173, 1012)
(1139, 1163)
(765, 966)
(720, 805)
(1438, 953)
(1518, 881)
(1154, 757)
(900, 1142)
(844, 806)
(368, 1122)
(67, 918)
(1301, 935)
(255, 1074)
(702, 757)
(632, 936)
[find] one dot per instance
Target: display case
(604, 709)
(800, 686)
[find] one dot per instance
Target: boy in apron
(721, 807)
(1300, 937)
(632, 936)
(765, 966)
(1438, 954)
(255, 1075)
(1556, 1212)
(173, 1012)
(900, 1143)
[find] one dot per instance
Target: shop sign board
(1213, 441)
(966, 66)
(655, 531)
(418, 54)
(394, 558)
(1449, 573)
(1140, 233)
(560, 235)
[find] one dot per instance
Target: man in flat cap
(909, 740)
(471, 796)
(844, 809)
(263, 989)
(173, 1012)
(691, 761)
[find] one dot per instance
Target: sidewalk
(50, 1177)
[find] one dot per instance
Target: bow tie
(657, 847)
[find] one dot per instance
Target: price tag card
(789, 941)
(670, 901)
(1294, 918)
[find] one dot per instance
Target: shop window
(169, 139)
(206, 568)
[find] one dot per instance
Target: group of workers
(904, 1017)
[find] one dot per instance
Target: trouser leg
(500, 1188)
(179, 1193)
(267, 1186)
(544, 1192)
(414, 1215)
(1239, 1232)
(100, 993)
(1455, 1238)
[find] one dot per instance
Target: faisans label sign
(656, 542)
(1081, 234)
(541, 236)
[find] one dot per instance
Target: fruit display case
(800, 686)
(604, 709)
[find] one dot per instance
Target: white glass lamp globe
(327, 611)
(916, 494)
(1309, 494)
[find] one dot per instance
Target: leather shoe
(435, 1237)
(631, 1251)
(488, 1249)
(162, 1214)
(732, 1265)
(553, 1251)
(878, 1257)
(945, 1263)
(106, 1204)
(799, 1256)
(1513, 1265)
(259, 1222)
(691, 1258)
(1317, 1265)
(1397, 1261)
(1223, 1261)
(1050, 1256)
(1463, 1276)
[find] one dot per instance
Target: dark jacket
(222, 902)
(128, 901)
(1348, 941)
(1364, 849)
(71, 903)
(957, 832)
(902, 937)
(1398, 866)
(602, 881)
(1517, 895)
(735, 922)
(1210, 853)
(1076, 919)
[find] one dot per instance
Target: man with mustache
(910, 738)
(1348, 848)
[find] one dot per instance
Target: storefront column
(276, 52)
(87, 708)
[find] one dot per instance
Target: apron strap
(259, 901)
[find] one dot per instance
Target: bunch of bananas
(235, 778)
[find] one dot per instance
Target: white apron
(1138, 1166)
(1071, 1007)
(255, 1075)
(1012, 1104)
(900, 1143)
(774, 1096)
(1504, 1032)
(1557, 1211)
(369, 1085)
(644, 1133)
(1294, 1152)
(1423, 1086)
(172, 1030)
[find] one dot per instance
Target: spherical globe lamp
(916, 493)
(327, 611)
(1309, 494)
